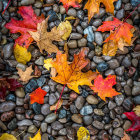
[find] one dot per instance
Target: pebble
(113, 64)
(128, 104)
(98, 38)
(43, 127)
(128, 7)
(63, 132)
(41, 81)
(36, 108)
(12, 125)
(20, 92)
(38, 4)
(46, 88)
(92, 100)
(97, 22)
(98, 59)
(79, 29)
(126, 62)
(56, 8)
(99, 112)
(76, 36)
(27, 136)
(32, 129)
(6, 116)
(79, 102)
(3, 126)
(62, 10)
(116, 123)
(100, 14)
(7, 106)
(19, 101)
(85, 93)
(72, 44)
(50, 118)
(127, 124)
(111, 105)
(40, 61)
(89, 32)
(56, 125)
(82, 42)
(52, 15)
(72, 12)
(62, 114)
(119, 99)
(136, 100)
(120, 70)
(120, 14)
(118, 132)
(52, 99)
(76, 118)
(37, 123)
(27, 2)
(39, 117)
(135, 2)
(45, 109)
(11, 97)
(20, 117)
(98, 125)
(86, 110)
(21, 66)
(118, 4)
(103, 66)
(7, 50)
(136, 90)
(24, 122)
(80, 14)
(109, 72)
(87, 120)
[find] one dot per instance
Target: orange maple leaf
(70, 73)
(68, 3)
(37, 96)
(104, 86)
(93, 7)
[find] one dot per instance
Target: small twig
(6, 6)
(20, 133)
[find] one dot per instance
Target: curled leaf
(37, 136)
(53, 107)
(7, 136)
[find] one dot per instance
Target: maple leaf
(6, 136)
(137, 110)
(37, 136)
(126, 137)
(135, 121)
(44, 39)
(68, 3)
(93, 7)
(70, 73)
(104, 86)
(37, 96)
(25, 76)
(29, 23)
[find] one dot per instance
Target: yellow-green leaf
(47, 63)
(65, 27)
(7, 136)
(83, 134)
(37, 136)
(70, 18)
(21, 54)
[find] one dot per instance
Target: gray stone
(86, 110)
(56, 125)
(32, 129)
(119, 99)
(20, 92)
(40, 61)
(62, 10)
(111, 105)
(87, 120)
(109, 72)
(46, 88)
(97, 22)
(3, 126)
(39, 117)
(126, 62)
(98, 125)
(72, 44)
(27, 2)
(52, 99)
(127, 7)
(99, 112)
(80, 14)
(43, 127)
(25, 122)
(136, 90)
(56, 8)
(79, 102)
(45, 109)
(79, 29)
(89, 32)
(51, 118)
(119, 71)
(44, 136)
(76, 36)
(118, 4)
(63, 132)
(127, 124)
(38, 4)
(113, 64)
(19, 101)
(21, 66)
(100, 14)
(127, 90)
(98, 38)
(92, 100)
(76, 118)
(7, 50)
(97, 59)
(82, 42)
(120, 14)
(27, 136)
(118, 132)
(72, 12)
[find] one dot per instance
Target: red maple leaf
(104, 86)
(29, 23)
(37, 96)
(135, 121)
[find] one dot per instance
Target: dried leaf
(126, 137)
(135, 121)
(7, 136)
(104, 86)
(70, 18)
(70, 73)
(137, 110)
(37, 96)
(44, 39)
(53, 107)
(83, 134)
(65, 27)
(29, 23)
(37, 72)
(21, 54)
(66, 49)
(37, 136)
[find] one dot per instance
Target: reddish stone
(6, 116)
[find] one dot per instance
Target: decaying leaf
(21, 54)
(126, 137)
(29, 23)
(83, 134)
(7, 136)
(65, 27)
(37, 71)
(70, 73)
(53, 107)
(25, 76)
(37, 96)
(44, 39)
(37, 136)
(137, 110)
(104, 86)
(135, 121)
(93, 7)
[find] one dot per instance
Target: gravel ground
(102, 119)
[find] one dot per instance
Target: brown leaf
(44, 39)
(53, 107)
(37, 71)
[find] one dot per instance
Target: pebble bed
(102, 119)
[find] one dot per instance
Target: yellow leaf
(65, 26)
(37, 136)
(47, 63)
(70, 18)
(7, 136)
(83, 134)
(126, 137)
(21, 54)
(137, 110)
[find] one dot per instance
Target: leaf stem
(6, 6)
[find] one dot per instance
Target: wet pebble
(7, 50)
(11, 97)
(3, 126)
(63, 131)
(87, 120)
(27, 2)
(79, 102)
(72, 12)
(98, 38)
(86, 110)
(76, 36)
(20, 92)
(6, 116)
(32, 129)
(92, 100)
(98, 125)
(80, 14)
(136, 100)
(120, 70)
(126, 62)
(43, 127)
(89, 32)
(62, 113)
(100, 14)
(36, 108)
(39, 117)
(56, 125)
(111, 105)
(118, 4)
(76, 118)
(97, 22)
(113, 64)
(40, 61)
(128, 104)
(72, 44)
(103, 66)
(136, 90)
(118, 132)
(19, 101)
(52, 99)
(12, 125)
(25, 122)
(82, 42)
(51, 118)
(45, 109)
(120, 14)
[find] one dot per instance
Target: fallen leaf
(126, 137)
(93, 7)
(68, 3)
(37, 72)
(66, 49)
(25, 76)
(104, 86)
(53, 107)
(83, 134)
(65, 27)
(48, 63)
(135, 121)
(70, 73)
(37, 96)
(69, 18)
(29, 23)
(137, 110)
(44, 39)
(37, 136)
(21, 54)
(7, 136)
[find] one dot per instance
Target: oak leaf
(126, 137)
(135, 121)
(37, 96)
(104, 86)
(29, 23)
(68, 3)
(44, 39)
(137, 110)
(37, 136)
(93, 7)
(21, 54)
(70, 73)
(6, 136)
